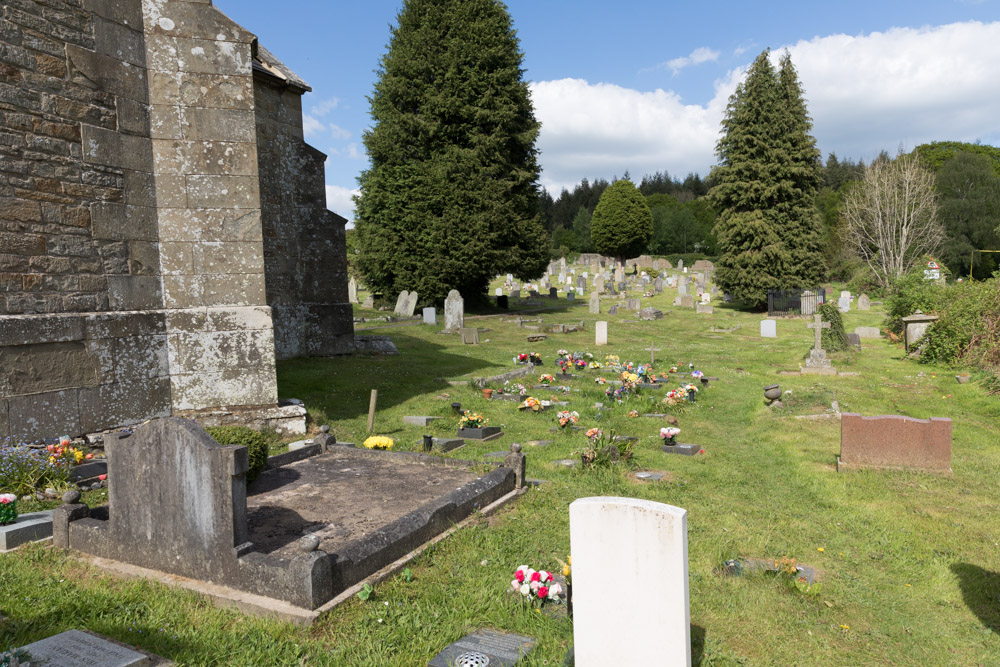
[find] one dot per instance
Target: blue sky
(641, 86)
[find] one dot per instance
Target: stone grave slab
(567, 463)
(29, 527)
(894, 442)
(74, 648)
(868, 332)
(687, 301)
(768, 329)
(854, 340)
(419, 421)
(539, 443)
(704, 309)
(649, 476)
(470, 336)
(682, 449)
(496, 648)
(481, 434)
(445, 445)
(864, 303)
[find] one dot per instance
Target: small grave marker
(430, 316)
(817, 360)
(768, 329)
(470, 336)
(74, 648)
(601, 333)
(371, 410)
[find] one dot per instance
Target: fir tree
(450, 199)
(769, 232)
(622, 224)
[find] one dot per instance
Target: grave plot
(178, 505)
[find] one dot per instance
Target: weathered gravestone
(470, 336)
(682, 289)
(627, 544)
(810, 301)
(817, 361)
(601, 333)
(485, 648)
(844, 304)
(649, 314)
(633, 304)
(369, 302)
(704, 309)
(74, 648)
(430, 316)
(402, 302)
(352, 290)
(916, 326)
(503, 302)
(768, 329)
(454, 311)
(595, 303)
(613, 310)
(515, 294)
(553, 293)
(687, 301)
(410, 306)
(571, 295)
(658, 285)
(894, 442)
(864, 303)
(498, 291)
(867, 332)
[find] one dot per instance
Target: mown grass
(908, 561)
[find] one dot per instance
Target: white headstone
(410, 306)
(627, 544)
(430, 316)
(510, 277)
(601, 333)
(768, 329)
(454, 311)
(498, 291)
(864, 303)
(402, 301)
(844, 304)
(352, 290)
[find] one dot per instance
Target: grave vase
(487, 393)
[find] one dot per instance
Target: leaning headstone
(768, 329)
(352, 290)
(628, 544)
(890, 441)
(454, 311)
(601, 333)
(484, 648)
(470, 336)
(402, 302)
(864, 303)
(810, 301)
(411, 304)
(74, 648)
(613, 310)
(595, 303)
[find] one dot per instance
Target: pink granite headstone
(894, 441)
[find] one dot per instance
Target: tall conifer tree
(769, 232)
(450, 199)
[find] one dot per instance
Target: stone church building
(164, 235)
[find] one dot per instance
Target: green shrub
(864, 281)
(968, 332)
(254, 441)
(834, 338)
(909, 294)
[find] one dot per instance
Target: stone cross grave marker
(817, 356)
(454, 311)
(652, 349)
(644, 544)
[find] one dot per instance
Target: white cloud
(865, 94)
(702, 54)
(354, 152)
(338, 200)
(338, 132)
(325, 107)
(311, 127)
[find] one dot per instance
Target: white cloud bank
(338, 200)
(702, 54)
(865, 94)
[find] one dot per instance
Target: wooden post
(371, 411)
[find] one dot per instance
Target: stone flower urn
(772, 392)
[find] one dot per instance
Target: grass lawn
(908, 562)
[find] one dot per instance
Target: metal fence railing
(786, 302)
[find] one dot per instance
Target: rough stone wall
(304, 243)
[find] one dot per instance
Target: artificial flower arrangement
(669, 433)
(530, 403)
(697, 375)
(673, 369)
(379, 442)
(633, 414)
(536, 586)
(692, 391)
(64, 455)
(594, 433)
(535, 358)
(563, 353)
(567, 418)
(675, 396)
(596, 365)
(580, 364)
(514, 388)
(546, 379)
(612, 361)
(521, 358)
(601, 381)
(563, 364)
(472, 420)
(8, 508)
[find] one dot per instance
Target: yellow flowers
(379, 442)
(566, 571)
(820, 549)
(844, 627)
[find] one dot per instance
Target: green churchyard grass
(909, 562)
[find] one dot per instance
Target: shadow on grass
(697, 644)
(421, 367)
(980, 590)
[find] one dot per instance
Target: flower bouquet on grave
(562, 353)
(692, 392)
(676, 396)
(600, 381)
(530, 403)
(472, 420)
(535, 358)
(669, 435)
(379, 442)
(536, 587)
(513, 388)
(8, 508)
(697, 375)
(580, 364)
(567, 418)
(563, 364)
(546, 379)
(596, 365)
(605, 449)
(632, 414)
(521, 358)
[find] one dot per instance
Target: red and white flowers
(535, 585)
(668, 433)
(7, 498)
(567, 418)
